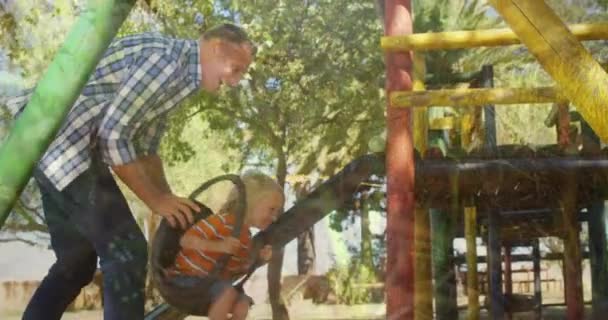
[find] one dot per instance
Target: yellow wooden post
(470, 231)
(421, 119)
(479, 38)
(467, 125)
(578, 75)
(423, 286)
(471, 128)
(475, 97)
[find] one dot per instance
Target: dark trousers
(90, 218)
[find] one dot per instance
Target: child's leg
(223, 305)
(241, 308)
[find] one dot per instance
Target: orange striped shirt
(200, 262)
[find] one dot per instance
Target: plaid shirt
(123, 107)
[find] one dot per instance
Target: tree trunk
(279, 310)
(306, 240)
(306, 252)
(366, 234)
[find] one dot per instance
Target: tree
(31, 32)
(354, 278)
(450, 15)
(309, 77)
(26, 224)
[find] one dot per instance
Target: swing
(165, 247)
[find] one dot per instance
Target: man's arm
(153, 166)
(145, 177)
(135, 98)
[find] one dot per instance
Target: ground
(307, 311)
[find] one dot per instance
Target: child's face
(226, 64)
(266, 210)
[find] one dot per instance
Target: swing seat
(165, 247)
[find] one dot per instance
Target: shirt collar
(194, 63)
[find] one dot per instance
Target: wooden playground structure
(518, 193)
(509, 195)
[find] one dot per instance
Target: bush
(352, 283)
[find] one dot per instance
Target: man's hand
(266, 253)
(145, 177)
(175, 209)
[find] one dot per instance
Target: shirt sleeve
(12, 106)
(149, 140)
(147, 78)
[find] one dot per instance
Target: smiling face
(223, 62)
(265, 210)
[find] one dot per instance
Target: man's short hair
(229, 32)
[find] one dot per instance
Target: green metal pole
(423, 275)
(55, 94)
(470, 231)
(442, 229)
(442, 248)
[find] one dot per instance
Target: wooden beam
(470, 227)
(479, 38)
(573, 286)
(399, 171)
(476, 97)
(520, 257)
(597, 224)
(421, 118)
(423, 286)
(442, 235)
(443, 228)
(581, 78)
(508, 278)
(495, 294)
(598, 253)
(538, 310)
(445, 123)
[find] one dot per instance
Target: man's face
(228, 63)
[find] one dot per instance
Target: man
(117, 123)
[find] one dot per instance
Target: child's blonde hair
(256, 184)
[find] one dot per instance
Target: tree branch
(19, 239)
(28, 208)
(190, 116)
(27, 227)
(260, 126)
(146, 5)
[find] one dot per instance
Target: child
(210, 239)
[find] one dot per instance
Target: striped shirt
(122, 109)
(200, 262)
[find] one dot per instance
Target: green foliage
(31, 31)
(26, 224)
(450, 15)
(354, 283)
(175, 18)
(305, 98)
(313, 96)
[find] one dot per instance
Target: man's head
(226, 53)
